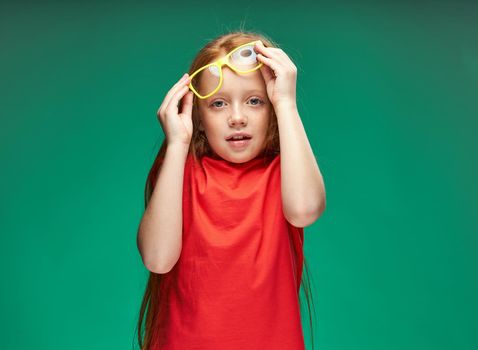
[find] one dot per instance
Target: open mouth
(238, 143)
(241, 138)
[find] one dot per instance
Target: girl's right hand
(177, 127)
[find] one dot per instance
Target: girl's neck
(221, 163)
(215, 156)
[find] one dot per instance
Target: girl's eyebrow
(225, 93)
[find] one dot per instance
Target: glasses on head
(241, 60)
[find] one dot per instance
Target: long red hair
(149, 311)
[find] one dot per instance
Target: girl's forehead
(231, 77)
(236, 85)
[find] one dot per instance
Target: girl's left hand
(280, 74)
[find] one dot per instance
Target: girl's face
(240, 105)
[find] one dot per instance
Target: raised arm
(302, 184)
(159, 237)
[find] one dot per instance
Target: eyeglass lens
(207, 79)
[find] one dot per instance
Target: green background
(387, 93)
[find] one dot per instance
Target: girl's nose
(238, 118)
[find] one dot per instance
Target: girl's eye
(256, 101)
(214, 103)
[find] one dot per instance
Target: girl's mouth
(239, 144)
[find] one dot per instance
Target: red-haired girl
(226, 202)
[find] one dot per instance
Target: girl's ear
(200, 127)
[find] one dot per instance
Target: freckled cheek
(217, 133)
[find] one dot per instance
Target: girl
(222, 233)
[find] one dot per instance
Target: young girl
(222, 233)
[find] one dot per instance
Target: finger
(171, 92)
(270, 63)
(174, 101)
(187, 104)
(273, 52)
(268, 56)
(266, 51)
(179, 84)
(267, 73)
(285, 60)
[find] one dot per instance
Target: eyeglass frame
(219, 63)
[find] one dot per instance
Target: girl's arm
(160, 231)
(302, 185)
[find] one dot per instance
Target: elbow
(298, 219)
(158, 257)
(158, 266)
(301, 220)
(304, 218)
(157, 262)
(313, 215)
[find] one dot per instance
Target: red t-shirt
(237, 281)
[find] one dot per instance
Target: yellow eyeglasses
(242, 60)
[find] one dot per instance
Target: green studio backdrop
(386, 91)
